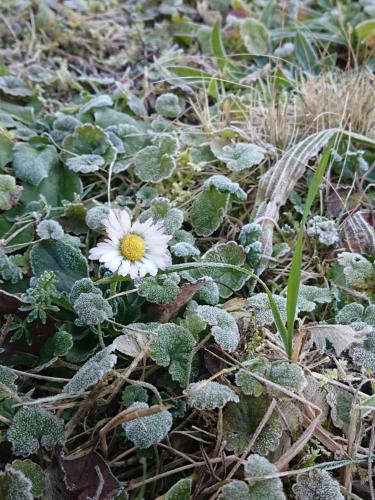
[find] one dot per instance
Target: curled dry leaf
(340, 336)
(357, 234)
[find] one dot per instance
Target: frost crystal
(235, 490)
(169, 105)
(95, 215)
(49, 229)
(310, 295)
(7, 377)
(224, 327)
(241, 156)
(287, 375)
(32, 427)
(323, 229)
(180, 491)
(255, 466)
(14, 485)
(183, 249)
(8, 270)
(92, 371)
(317, 484)
(149, 430)
(159, 290)
(269, 439)
(261, 304)
(209, 293)
(205, 395)
(357, 269)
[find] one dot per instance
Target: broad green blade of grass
(295, 270)
(217, 44)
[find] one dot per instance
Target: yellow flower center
(132, 247)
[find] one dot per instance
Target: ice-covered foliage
(269, 439)
(157, 162)
(250, 239)
(14, 485)
(363, 355)
(85, 163)
(241, 156)
(288, 375)
(50, 229)
(95, 215)
(172, 347)
(89, 304)
(309, 296)
(148, 430)
(249, 385)
(33, 472)
(145, 195)
(39, 297)
(235, 490)
(356, 313)
(340, 401)
(261, 305)
(324, 230)
(9, 192)
(317, 484)
(161, 209)
(9, 271)
(358, 270)
(169, 105)
(258, 466)
(225, 185)
(92, 371)
(33, 427)
(180, 491)
(159, 289)
(224, 327)
(206, 395)
(8, 378)
(133, 394)
(59, 344)
(209, 293)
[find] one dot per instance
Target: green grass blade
(217, 43)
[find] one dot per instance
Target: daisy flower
(136, 249)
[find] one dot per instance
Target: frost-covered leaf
(169, 105)
(180, 491)
(183, 249)
(250, 386)
(209, 293)
(134, 103)
(309, 296)
(340, 402)
(224, 327)
(49, 230)
(145, 195)
(90, 140)
(288, 375)
(134, 394)
(324, 230)
(207, 212)
(9, 271)
(172, 347)
(357, 269)
(157, 162)
(270, 436)
(92, 309)
(148, 430)
(350, 313)
(235, 490)
(225, 185)
(161, 209)
(33, 165)
(261, 304)
(158, 289)
(14, 86)
(55, 346)
(95, 215)
(317, 484)
(99, 101)
(14, 485)
(38, 74)
(8, 378)
(68, 263)
(33, 472)
(249, 238)
(228, 280)
(340, 336)
(364, 355)
(6, 147)
(85, 163)
(255, 36)
(257, 466)
(9, 192)
(206, 395)
(241, 156)
(92, 371)
(33, 427)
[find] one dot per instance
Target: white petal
(110, 256)
(123, 270)
(100, 250)
(113, 264)
(149, 266)
(124, 220)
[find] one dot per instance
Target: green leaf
(158, 289)
(255, 37)
(206, 395)
(68, 263)
(224, 327)
(14, 86)
(38, 74)
(15, 485)
(169, 105)
(207, 212)
(172, 347)
(6, 147)
(305, 53)
(180, 491)
(365, 31)
(217, 43)
(85, 163)
(9, 192)
(33, 165)
(33, 472)
(88, 139)
(58, 345)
